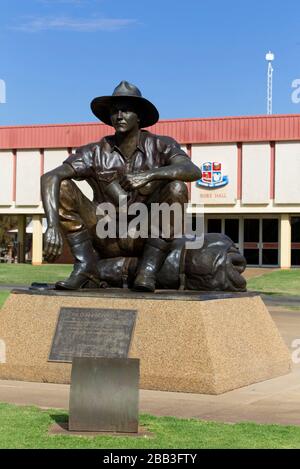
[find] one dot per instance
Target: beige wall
(85, 189)
(225, 154)
(6, 177)
(287, 173)
(255, 178)
(28, 178)
(256, 173)
(54, 158)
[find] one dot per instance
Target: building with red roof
(249, 189)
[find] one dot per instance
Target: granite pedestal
(186, 342)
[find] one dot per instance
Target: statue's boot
(85, 271)
(154, 254)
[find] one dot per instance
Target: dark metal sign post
(104, 395)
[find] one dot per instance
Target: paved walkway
(272, 401)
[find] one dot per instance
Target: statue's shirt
(102, 162)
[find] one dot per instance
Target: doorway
(257, 238)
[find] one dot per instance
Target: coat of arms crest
(212, 176)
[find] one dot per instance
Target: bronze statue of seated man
(132, 163)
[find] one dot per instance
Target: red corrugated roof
(211, 130)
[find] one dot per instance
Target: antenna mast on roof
(269, 58)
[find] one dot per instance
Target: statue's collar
(140, 142)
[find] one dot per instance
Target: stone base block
(183, 345)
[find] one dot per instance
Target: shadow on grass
(60, 419)
(269, 293)
(60, 425)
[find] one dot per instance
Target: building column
(37, 240)
(285, 241)
(21, 238)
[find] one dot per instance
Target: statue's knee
(67, 193)
(66, 188)
(66, 185)
(178, 190)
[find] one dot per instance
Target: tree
(7, 223)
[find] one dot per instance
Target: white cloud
(34, 25)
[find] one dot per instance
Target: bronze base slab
(178, 295)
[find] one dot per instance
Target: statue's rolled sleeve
(82, 163)
(170, 148)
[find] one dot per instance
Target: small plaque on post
(104, 395)
(88, 332)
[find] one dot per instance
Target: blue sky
(191, 58)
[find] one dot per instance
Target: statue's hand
(133, 181)
(53, 243)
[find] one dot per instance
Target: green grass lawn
(27, 427)
(280, 282)
(27, 273)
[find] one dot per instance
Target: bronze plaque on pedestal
(88, 332)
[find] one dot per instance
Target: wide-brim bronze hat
(146, 111)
